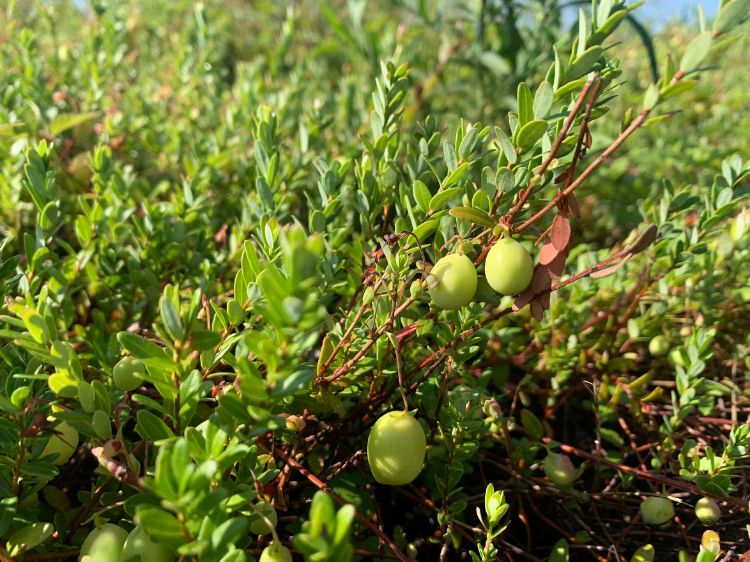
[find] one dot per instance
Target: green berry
(707, 511)
(657, 511)
(559, 469)
(275, 553)
(258, 525)
(104, 544)
(128, 373)
(396, 448)
(455, 282)
(658, 346)
(645, 553)
(509, 267)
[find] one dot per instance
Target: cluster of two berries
(396, 445)
(453, 280)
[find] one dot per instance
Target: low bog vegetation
(412, 280)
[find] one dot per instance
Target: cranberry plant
(372, 280)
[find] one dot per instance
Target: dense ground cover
(218, 227)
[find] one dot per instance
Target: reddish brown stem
(567, 124)
(686, 486)
(635, 124)
(327, 489)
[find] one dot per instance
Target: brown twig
(567, 124)
(686, 486)
(327, 489)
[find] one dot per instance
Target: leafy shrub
(218, 228)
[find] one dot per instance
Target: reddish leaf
(608, 270)
(644, 240)
(523, 299)
(537, 311)
(557, 266)
(573, 206)
(545, 300)
(560, 232)
(547, 254)
(541, 280)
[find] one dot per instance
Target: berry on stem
(275, 552)
(104, 544)
(657, 511)
(455, 282)
(658, 346)
(509, 267)
(559, 468)
(707, 511)
(395, 448)
(128, 373)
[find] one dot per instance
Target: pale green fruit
(456, 279)
(645, 553)
(707, 511)
(139, 547)
(104, 544)
(395, 448)
(509, 267)
(657, 510)
(559, 469)
(658, 346)
(275, 553)
(62, 445)
(258, 525)
(128, 373)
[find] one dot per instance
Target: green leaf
(151, 427)
(706, 556)
(696, 51)
(472, 215)
(560, 552)
(442, 197)
(29, 537)
(525, 104)
(33, 321)
(204, 339)
(678, 88)
(66, 121)
(543, 99)
(141, 348)
(531, 424)
(506, 145)
(468, 143)
(229, 532)
(583, 31)
(495, 63)
(449, 155)
(455, 175)
(63, 385)
(531, 133)
(570, 87)
(325, 352)
(651, 98)
(171, 318)
(292, 383)
(731, 15)
(584, 63)
(422, 196)
(161, 525)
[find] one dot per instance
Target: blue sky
(663, 10)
